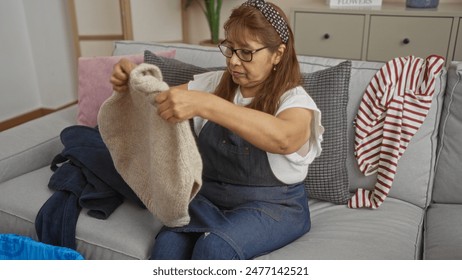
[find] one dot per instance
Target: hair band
(273, 17)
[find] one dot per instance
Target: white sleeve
(299, 98)
(206, 82)
(294, 167)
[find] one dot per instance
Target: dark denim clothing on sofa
(88, 179)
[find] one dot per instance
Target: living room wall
(37, 56)
(17, 76)
(38, 62)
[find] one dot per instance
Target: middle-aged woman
(258, 130)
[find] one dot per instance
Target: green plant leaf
(211, 10)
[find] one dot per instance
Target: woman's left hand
(176, 104)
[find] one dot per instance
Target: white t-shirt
(291, 168)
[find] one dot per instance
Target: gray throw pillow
(175, 72)
(327, 175)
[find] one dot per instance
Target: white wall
(36, 56)
(37, 61)
(152, 20)
(53, 51)
(156, 20)
(19, 87)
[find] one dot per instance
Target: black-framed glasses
(243, 54)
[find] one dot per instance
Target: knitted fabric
(394, 106)
(158, 160)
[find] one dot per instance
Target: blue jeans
(189, 245)
(247, 221)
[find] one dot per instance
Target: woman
(257, 129)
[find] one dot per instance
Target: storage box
(17, 247)
(422, 3)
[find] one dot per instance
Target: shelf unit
(378, 34)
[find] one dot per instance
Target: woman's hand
(178, 104)
(121, 75)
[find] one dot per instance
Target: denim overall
(241, 201)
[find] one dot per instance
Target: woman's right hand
(121, 75)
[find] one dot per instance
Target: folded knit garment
(160, 161)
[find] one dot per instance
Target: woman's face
(251, 75)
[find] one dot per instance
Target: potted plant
(211, 10)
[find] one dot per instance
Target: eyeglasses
(243, 54)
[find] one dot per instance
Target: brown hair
(287, 75)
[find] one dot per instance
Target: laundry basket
(16, 247)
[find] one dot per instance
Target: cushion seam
(29, 149)
(104, 247)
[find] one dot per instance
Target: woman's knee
(210, 246)
(171, 245)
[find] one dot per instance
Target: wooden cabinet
(332, 35)
(378, 34)
(393, 36)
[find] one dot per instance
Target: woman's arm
(282, 134)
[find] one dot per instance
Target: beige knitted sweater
(158, 160)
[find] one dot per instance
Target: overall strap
(230, 159)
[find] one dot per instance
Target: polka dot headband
(273, 17)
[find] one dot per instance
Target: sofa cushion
(393, 232)
(443, 232)
(128, 233)
(448, 177)
(20, 200)
(327, 175)
(94, 86)
(33, 145)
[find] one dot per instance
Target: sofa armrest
(33, 145)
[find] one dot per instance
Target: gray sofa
(420, 219)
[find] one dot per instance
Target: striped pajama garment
(393, 107)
